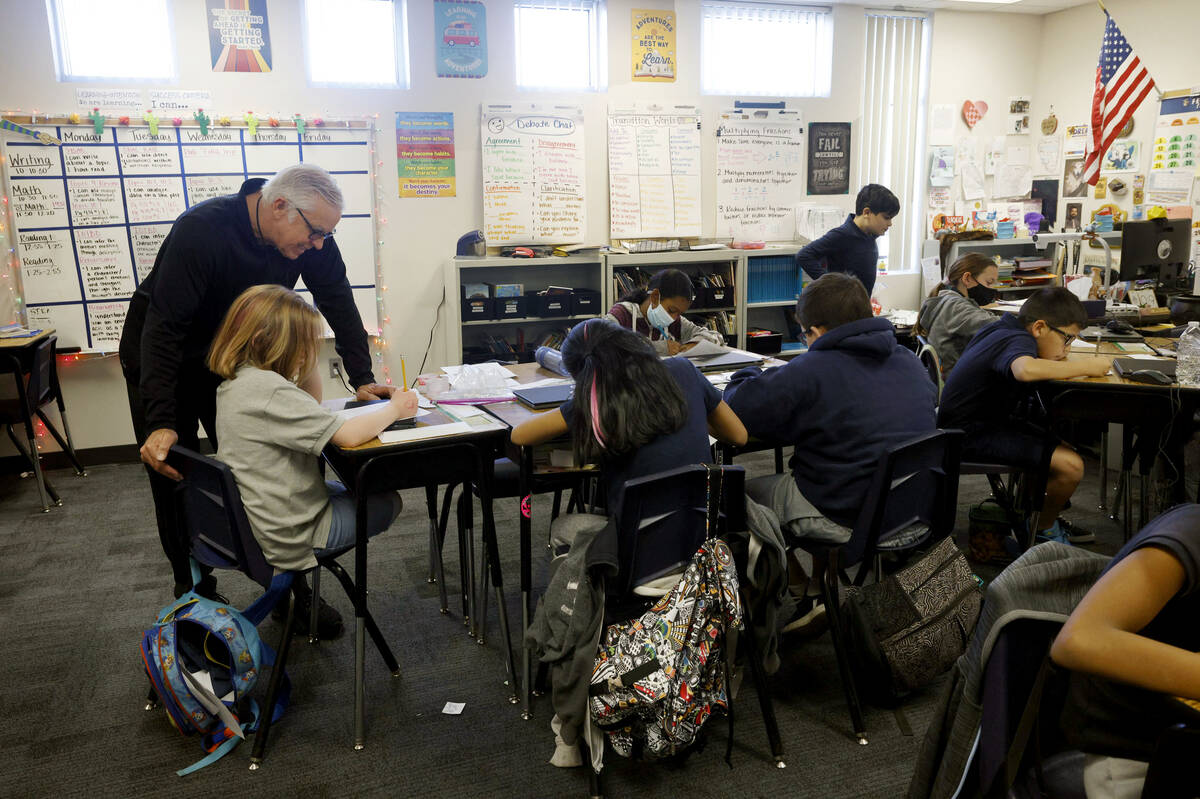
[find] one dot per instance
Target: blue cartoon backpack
(203, 658)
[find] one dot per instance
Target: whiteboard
(760, 175)
(91, 215)
(533, 174)
(654, 173)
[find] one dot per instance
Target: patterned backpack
(203, 658)
(658, 678)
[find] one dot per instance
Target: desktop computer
(1158, 250)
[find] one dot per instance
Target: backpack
(909, 628)
(658, 678)
(203, 659)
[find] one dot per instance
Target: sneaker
(809, 619)
(1054, 533)
(329, 621)
(1075, 533)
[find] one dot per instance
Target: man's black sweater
(210, 257)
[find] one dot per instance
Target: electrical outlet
(335, 367)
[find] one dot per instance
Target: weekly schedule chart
(91, 214)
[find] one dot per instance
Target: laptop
(1126, 366)
(729, 361)
(543, 397)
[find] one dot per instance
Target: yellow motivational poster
(653, 45)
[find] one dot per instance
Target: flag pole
(1101, 4)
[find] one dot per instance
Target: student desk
(1185, 401)
(512, 414)
(375, 466)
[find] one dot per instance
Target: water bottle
(550, 358)
(1187, 369)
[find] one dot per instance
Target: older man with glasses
(272, 231)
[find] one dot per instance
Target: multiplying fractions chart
(90, 215)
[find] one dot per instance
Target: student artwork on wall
(1074, 184)
(829, 158)
(654, 171)
(460, 38)
(760, 163)
(533, 174)
(1122, 156)
(91, 215)
(239, 37)
(425, 153)
(653, 46)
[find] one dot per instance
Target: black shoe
(329, 621)
(1075, 533)
(207, 588)
(809, 619)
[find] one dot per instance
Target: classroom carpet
(78, 586)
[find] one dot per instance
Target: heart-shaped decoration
(973, 111)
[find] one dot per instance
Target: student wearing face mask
(657, 313)
(952, 315)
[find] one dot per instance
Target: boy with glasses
(988, 395)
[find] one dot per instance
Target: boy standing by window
(851, 247)
(989, 397)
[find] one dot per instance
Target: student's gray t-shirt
(271, 432)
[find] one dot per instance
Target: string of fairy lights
(10, 269)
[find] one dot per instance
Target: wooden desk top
(24, 341)
(1109, 350)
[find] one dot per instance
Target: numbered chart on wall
(91, 214)
(760, 174)
(533, 174)
(654, 172)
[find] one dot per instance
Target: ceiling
(1019, 7)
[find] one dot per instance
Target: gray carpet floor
(79, 584)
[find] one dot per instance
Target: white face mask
(658, 317)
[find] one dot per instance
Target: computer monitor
(1155, 249)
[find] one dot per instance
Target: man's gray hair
(302, 186)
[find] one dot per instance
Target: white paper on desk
(461, 412)
(1080, 344)
(350, 413)
(705, 348)
(1009, 304)
(421, 433)
(718, 378)
(1142, 357)
(548, 381)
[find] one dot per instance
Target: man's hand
(373, 391)
(154, 452)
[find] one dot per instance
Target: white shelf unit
(699, 262)
(1008, 249)
(536, 274)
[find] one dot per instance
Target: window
(891, 146)
(356, 42)
(117, 39)
(769, 49)
(561, 44)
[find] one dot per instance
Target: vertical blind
(560, 44)
(766, 49)
(892, 143)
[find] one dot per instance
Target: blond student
(272, 427)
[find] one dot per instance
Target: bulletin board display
(90, 214)
(654, 172)
(534, 173)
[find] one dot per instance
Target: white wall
(1162, 34)
(419, 234)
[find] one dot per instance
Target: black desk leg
(493, 566)
(360, 581)
(526, 493)
(436, 573)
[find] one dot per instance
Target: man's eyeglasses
(1067, 337)
(314, 234)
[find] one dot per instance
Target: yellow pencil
(403, 373)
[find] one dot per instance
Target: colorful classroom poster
(1177, 132)
(653, 46)
(460, 38)
(425, 153)
(238, 36)
(534, 174)
(829, 158)
(654, 172)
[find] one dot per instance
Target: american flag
(1121, 85)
